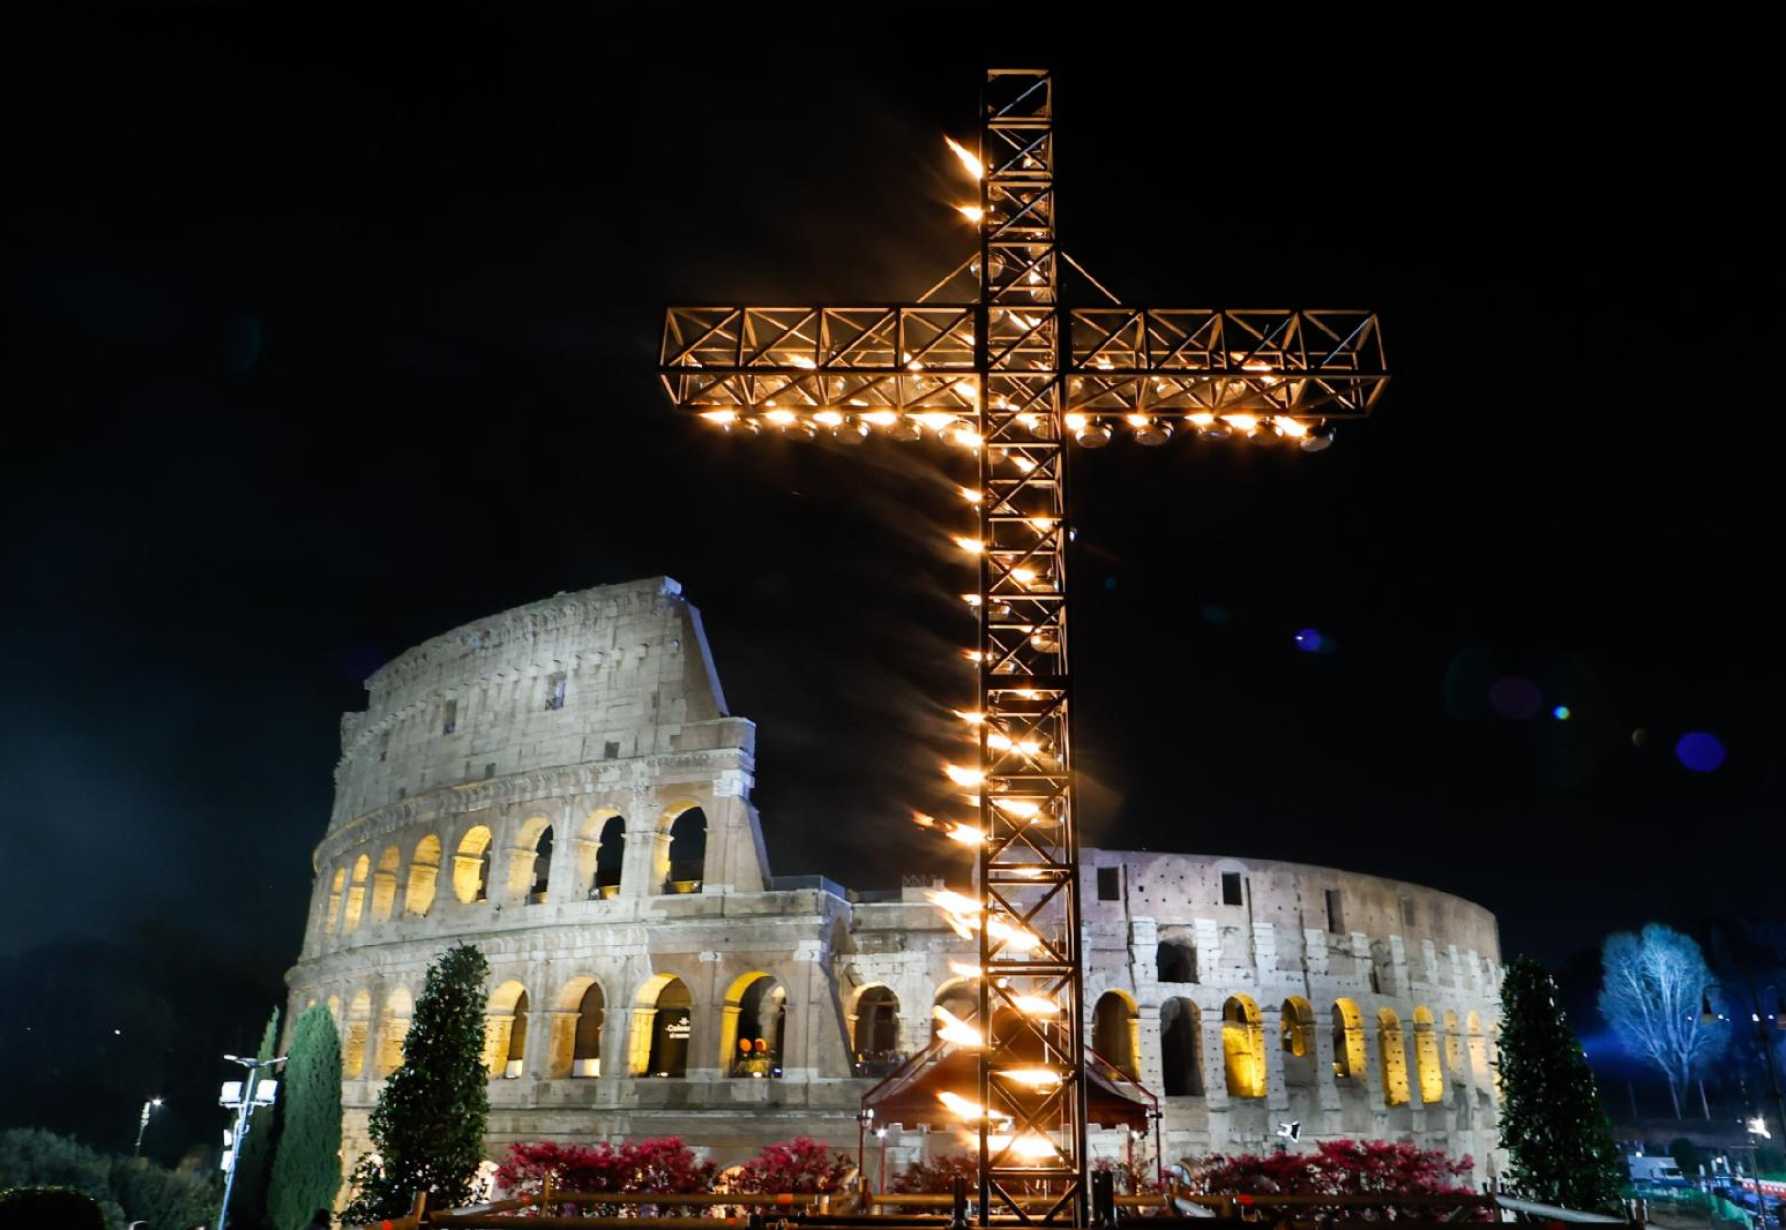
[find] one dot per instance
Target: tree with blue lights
(1657, 998)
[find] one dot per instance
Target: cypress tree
(428, 1127)
(307, 1162)
(248, 1199)
(1552, 1124)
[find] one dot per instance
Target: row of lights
(1090, 431)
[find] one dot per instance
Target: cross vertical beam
(1029, 858)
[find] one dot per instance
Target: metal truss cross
(1015, 375)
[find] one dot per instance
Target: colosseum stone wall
(563, 786)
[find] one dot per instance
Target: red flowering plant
(938, 1174)
(798, 1165)
(663, 1165)
(1339, 1168)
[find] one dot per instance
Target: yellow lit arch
(471, 865)
(353, 1038)
(663, 993)
(1395, 1058)
(1116, 1030)
(424, 875)
(524, 873)
(598, 865)
(384, 884)
(1426, 1056)
(732, 1022)
(393, 1028)
(1349, 1059)
(579, 1014)
(356, 894)
(336, 887)
(505, 1030)
(1296, 1027)
(1243, 1047)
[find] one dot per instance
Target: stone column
(1215, 1064)
(1327, 1094)
(645, 843)
(1373, 1066)
(707, 990)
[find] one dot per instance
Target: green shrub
(49, 1208)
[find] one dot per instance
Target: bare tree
(1655, 995)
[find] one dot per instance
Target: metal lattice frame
(1019, 373)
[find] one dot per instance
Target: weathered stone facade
(530, 783)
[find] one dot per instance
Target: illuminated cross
(1013, 375)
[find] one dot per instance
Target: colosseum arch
(576, 1043)
(530, 863)
(1426, 1056)
(1479, 1069)
(471, 865)
(337, 887)
(1350, 1061)
(424, 876)
(1296, 1036)
(1454, 1048)
(393, 1028)
(601, 853)
(384, 884)
(959, 997)
(1243, 1047)
(661, 1027)
(1181, 1048)
(1175, 960)
(353, 1037)
(875, 1032)
(1395, 1058)
(505, 1030)
(1116, 1030)
(356, 895)
(680, 862)
(753, 1016)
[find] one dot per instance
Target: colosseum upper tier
(563, 786)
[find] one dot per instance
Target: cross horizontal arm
(919, 358)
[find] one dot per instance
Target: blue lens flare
(1699, 751)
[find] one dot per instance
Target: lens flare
(967, 160)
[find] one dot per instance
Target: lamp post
(142, 1124)
(244, 1095)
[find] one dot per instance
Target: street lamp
(142, 1124)
(244, 1095)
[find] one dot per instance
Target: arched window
(1395, 1058)
(601, 852)
(471, 866)
(1349, 1060)
(1181, 1048)
(393, 1028)
(1478, 1052)
(1176, 961)
(1454, 1047)
(576, 1041)
(384, 885)
(1243, 1047)
(1116, 1026)
(1426, 1057)
(505, 1031)
(1296, 1035)
(356, 895)
(353, 1038)
(336, 888)
(754, 1021)
(686, 857)
(424, 874)
(662, 1023)
(960, 999)
(877, 1030)
(530, 863)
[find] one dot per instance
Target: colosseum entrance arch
(1181, 1048)
(505, 1031)
(424, 877)
(1116, 1031)
(680, 865)
(663, 1021)
(753, 1024)
(876, 1031)
(1296, 1033)
(577, 1019)
(601, 854)
(1243, 1047)
(471, 865)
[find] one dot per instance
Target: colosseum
(564, 786)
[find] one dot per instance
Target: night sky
(327, 336)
